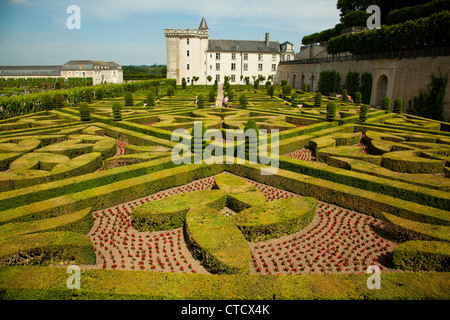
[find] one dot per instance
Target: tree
(243, 100)
(347, 6)
(59, 101)
(170, 91)
(318, 100)
(356, 18)
(358, 97)
(331, 111)
(386, 104)
(231, 95)
(87, 95)
(150, 99)
(363, 113)
(429, 103)
(398, 105)
(212, 96)
(200, 101)
(344, 95)
(116, 109)
(251, 143)
(128, 99)
(209, 78)
(255, 84)
(85, 113)
(271, 91)
(183, 83)
(294, 100)
(47, 102)
(308, 87)
(287, 90)
(98, 94)
(195, 79)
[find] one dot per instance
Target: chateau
(190, 53)
(99, 71)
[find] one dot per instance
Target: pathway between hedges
(219, 96)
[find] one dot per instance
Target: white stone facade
(190, 53)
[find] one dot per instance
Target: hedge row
(355, 198)
(108, 195)
(397, 189)
(422, 255)
(23, 104)
(405, 229)
(62, 237)
(427, 32)
(24, 283)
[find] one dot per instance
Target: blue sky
(34, 32)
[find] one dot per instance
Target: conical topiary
(344, 95)
(363, 113)
(85, 112)
(398, 105)
(99, 94)
(243, 101)
(358, 97)
(117, 111)
(128, 99)
(87, 95)
(150, 99)
(201, 101)
(318, 100)
(386, 104)
(251, 144)
(59, 101)
(331, 111)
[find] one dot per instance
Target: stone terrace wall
(392, 77)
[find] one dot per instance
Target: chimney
(267, 39)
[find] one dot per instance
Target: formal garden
(88, 178)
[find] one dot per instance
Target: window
(217, 66)
(218, 77)
(188, 79)
(233, 66)
(245, 56)
(84, 74)
(76, 73)
(260, 67)
(274, 57)
(187, 67)
(288, 58)
(274, 67)
(260, 57)
(187, 53)
(218, 56)
(210, 55)
(245, 66)
(233, 78)
(187, 41)
(233, 56)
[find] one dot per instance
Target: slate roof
(243, 46)
(30, 71)
(88, 64)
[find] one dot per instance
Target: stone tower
(186, 53)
